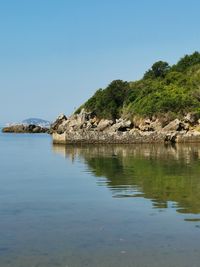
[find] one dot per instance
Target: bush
(108, 103)
(163, 90)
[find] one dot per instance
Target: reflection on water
(163, 174)
(100, 206)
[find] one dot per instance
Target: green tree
(158, 69)
(108, 103)
(187, 61)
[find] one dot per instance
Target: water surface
(98, 206)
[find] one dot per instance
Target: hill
(164, 90)
(37, 122)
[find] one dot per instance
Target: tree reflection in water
(160, 173)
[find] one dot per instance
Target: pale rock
(172, 126)
(60, 119)
(121, 125)
(156, 125)
(103, 124)
(191, 118)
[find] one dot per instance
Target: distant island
(164, 106)
(31, 125)
(37, 122)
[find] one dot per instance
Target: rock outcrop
(21, 128)
(87, 128)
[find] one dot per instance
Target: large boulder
(37, 129)
(156, 125)
(121, 125)
(191, 118)
(63, 127)
(147, 124)
(59, 120)
(104, 124)
(174, 125)
(81, 120)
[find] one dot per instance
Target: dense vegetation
(164, 89)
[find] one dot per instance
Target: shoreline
(84, 128)
(22, 128)
(155, 138)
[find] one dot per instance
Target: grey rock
(174, 125)
(60, 119)
(25, 129)
(104, 124)
(86, 128)
(121, 125)
(191, 118)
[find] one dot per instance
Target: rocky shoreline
(21, 128)
(87, 128)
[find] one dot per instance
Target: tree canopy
(163, 89)
(158, 69)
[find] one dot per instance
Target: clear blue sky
(54, 54)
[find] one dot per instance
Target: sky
(54, 54)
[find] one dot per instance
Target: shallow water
(98, 206)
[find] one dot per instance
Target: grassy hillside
(164, 89)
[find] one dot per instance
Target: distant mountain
(36, 121)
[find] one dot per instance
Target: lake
(98, 206)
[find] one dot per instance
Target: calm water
(98, 206)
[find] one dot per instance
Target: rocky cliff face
(86, 128)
